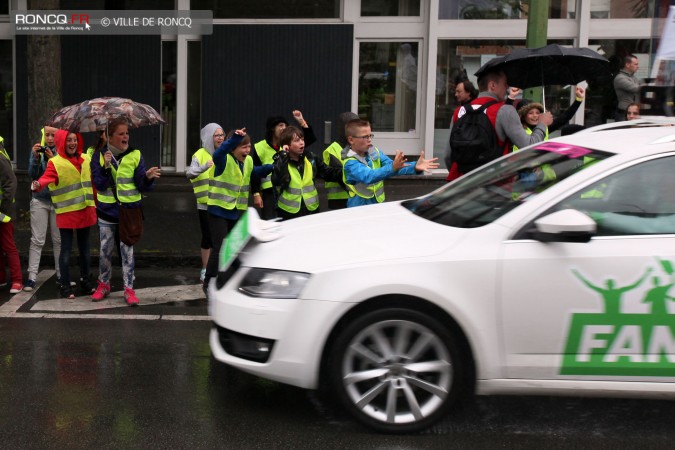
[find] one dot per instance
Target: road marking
(18, 300)
(64, 308)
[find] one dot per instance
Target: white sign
(667, 45)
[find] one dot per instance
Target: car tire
(396, 370)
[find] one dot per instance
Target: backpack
(473, 140)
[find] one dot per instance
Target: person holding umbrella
(504, 118)
(69, 179)
(530, 112)
(119, 175)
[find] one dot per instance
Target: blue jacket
(103, 179)
(356, 172)
(35, 170)
(219, 163)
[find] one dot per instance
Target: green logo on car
(625, 344)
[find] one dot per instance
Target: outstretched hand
(240, 132)
(399, 160)
(153, 173)
(425, 165)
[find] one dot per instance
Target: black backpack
(473, 140)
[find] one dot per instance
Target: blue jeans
(83, 247)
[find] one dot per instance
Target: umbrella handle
(543, 97)
(543, 88)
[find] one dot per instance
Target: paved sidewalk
(166, 294)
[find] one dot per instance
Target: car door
(602, 309)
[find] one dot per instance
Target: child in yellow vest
(69, 179)
(293, 176)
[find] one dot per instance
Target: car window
(635, 201)
(488, 193)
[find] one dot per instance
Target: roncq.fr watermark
(98, 22)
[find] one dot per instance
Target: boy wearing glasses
(366, 167)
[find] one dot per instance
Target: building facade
(394, 62)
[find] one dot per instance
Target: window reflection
(388, 76)
(266, 9)
(500, 9)
(390, 7)
(621, 9)
(118, 4)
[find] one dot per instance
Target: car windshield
(484, 196)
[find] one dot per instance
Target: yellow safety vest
(529, 132)
(200, 184)
(127, 191)
(335, 190)
(266, 155)
(74, 191)
(365, 190)
(230, 189)
(107, 195)
(4, 217)
(299, 189)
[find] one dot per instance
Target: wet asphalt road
(152, 384)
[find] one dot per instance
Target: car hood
(352, 236)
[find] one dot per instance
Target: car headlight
(270, 283)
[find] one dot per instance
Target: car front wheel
(395, 370)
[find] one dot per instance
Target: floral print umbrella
(95, 114)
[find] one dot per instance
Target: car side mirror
(567, 225)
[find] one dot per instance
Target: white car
(549, 271)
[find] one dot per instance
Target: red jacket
(82, 218)
(491, 111)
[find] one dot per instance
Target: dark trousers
(204, 227)
(83, 247)
(269, 209)
(219, 228)
(619, 115)
(8, 248)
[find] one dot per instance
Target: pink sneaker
(102, 292)
(130, 297)
(16, 288)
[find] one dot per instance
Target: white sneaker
(29, 285)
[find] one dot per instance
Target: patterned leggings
(107, 237)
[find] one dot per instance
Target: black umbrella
(552, 64)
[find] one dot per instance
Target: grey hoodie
(195, 169)
(206, 136)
